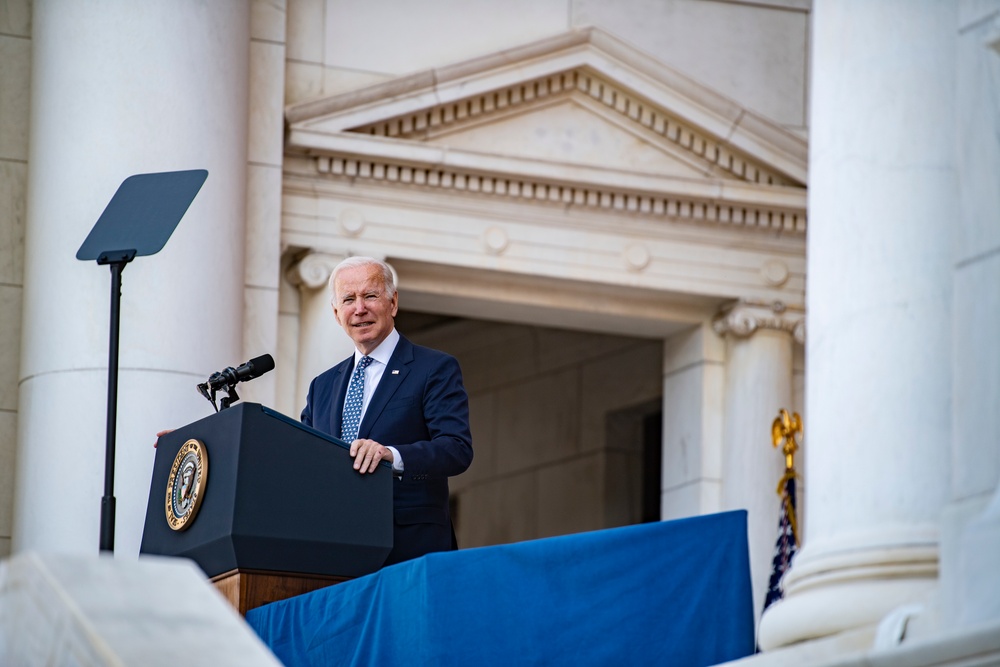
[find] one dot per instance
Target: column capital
(743, 317)
(313, 269)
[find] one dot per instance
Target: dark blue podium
(282, 507)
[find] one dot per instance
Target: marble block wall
(15, 56)
(338, 45)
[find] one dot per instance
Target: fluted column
(882, 202)
(118, 88)
(760, 338)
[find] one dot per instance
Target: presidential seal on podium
(186, 484)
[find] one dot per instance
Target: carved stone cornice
(744, 317)
(711, 201)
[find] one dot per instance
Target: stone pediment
(570, 132)
(581, 118)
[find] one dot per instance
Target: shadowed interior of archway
(563, 425)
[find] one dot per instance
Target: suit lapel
(392, 377)
(339, 392)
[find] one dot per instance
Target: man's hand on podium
(159, 435)
(367, 454)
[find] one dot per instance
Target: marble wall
(15, 74)
(341, 45)
(555, 417)
(265, 148)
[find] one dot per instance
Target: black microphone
(252, 369)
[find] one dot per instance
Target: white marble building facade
(607, 211)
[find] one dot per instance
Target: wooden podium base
(249, 589)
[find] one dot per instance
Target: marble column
(265, 152)
(322, 342)
(970, 579)
(760, 338)
(120, 88)
(882, 200)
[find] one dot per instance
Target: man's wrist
(397, 460)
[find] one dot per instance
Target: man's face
(361, 306)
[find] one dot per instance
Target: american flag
(787, 542)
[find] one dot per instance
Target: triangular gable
(573, 130)
(664, 142)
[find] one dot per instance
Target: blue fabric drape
(668, 593)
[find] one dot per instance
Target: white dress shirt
(373, 375)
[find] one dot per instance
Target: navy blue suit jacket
(419, 407)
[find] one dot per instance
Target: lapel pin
(395, 372)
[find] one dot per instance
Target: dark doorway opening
(652, 462)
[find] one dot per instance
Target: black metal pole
(116, 262)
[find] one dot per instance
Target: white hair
(388, 282)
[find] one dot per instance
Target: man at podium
(394, 401)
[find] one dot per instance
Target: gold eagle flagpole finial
(783, 432)
(783, 429)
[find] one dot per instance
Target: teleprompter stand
(137, 221)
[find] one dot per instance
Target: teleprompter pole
(117, 261)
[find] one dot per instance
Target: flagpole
(783, 431)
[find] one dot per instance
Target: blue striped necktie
(354, 401)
